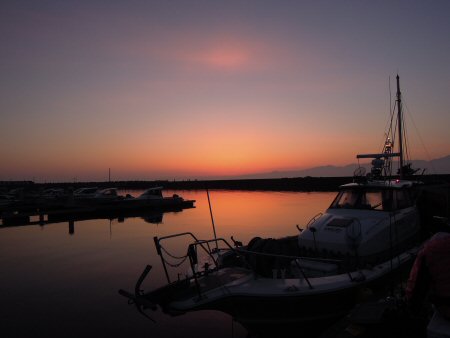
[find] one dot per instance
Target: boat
(151, 199)
(85, 193)
(53, 198)
(369, 235)
(106, 195)
(151, 194)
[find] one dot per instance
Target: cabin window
(372, 200)
(346, 199)
(380, 200)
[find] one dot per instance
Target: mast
(399, 116)
(382, 162)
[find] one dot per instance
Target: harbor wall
(279, 184)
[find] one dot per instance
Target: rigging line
(390, 132)
(405, 135)
(391, 107)
(389, 123)
(394, 132)
(405, 140)
(420, 138)
(390, 94)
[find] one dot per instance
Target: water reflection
(118, 205)
(65, 285)
(152, 217)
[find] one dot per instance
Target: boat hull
(293, 306)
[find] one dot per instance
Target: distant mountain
(436, 166)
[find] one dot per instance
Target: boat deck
(225, 276)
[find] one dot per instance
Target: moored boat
(154, 198)
(369, 234)
(85, 193)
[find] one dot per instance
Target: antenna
(212, 219)
(400, 134)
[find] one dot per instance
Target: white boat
(85, 193)
(370, 232)
(106, 195)
(151, 194)
(153, 198)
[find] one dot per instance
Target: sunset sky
(195, 89)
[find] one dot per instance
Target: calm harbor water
(61, 281)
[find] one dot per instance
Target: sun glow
(220, 53)
(226, 58)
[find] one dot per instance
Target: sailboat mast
(400, 133)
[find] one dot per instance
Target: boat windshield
(152, 192)
(363, 199)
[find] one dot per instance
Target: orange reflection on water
(245, 214)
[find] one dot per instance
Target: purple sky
(188, 89)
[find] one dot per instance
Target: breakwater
(282, 184)
(303, 184)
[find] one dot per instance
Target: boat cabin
(85, 192)
(361, 222)
(152, 193)
(379, 196)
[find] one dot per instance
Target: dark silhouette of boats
(57, 206)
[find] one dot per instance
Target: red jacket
(430, 273)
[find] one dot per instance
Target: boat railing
(213, 252)
(313, 220)
(191, 252)
(295, 259)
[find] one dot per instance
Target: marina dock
(30, 209)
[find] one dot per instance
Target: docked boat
(106, 195)
(154, 198)
(369, 234)
(85, 193)
(150, 199)
(154, 193)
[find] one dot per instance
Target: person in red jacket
(430, 275)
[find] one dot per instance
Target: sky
(197, 89)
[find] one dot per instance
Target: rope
(420, 138)
(389, 123)
(173, 265)
(171, 255)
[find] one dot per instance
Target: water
(58, 281)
